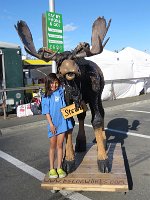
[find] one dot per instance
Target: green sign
(54, 31)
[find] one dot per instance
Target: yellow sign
(70, 111)
(36, 62)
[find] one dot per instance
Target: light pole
(52, 5)
(52, 9)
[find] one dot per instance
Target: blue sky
(130, 25)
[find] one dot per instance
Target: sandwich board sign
(54, 31)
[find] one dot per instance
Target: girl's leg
(52, 148)
(60, 140)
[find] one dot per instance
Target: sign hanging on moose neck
(70, 111)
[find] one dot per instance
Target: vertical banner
(54, 31)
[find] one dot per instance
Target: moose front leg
(69, 158)
(81, 138)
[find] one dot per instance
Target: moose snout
(69, 69)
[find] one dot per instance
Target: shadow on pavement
(122, 125)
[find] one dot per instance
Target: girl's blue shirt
(52, 105)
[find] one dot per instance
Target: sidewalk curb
(126, 105)
(26, 126)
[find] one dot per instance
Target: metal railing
(3, 106)
(111, 82)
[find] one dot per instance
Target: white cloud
(68, 43)
(40, 39)
(6, 15)
(69, 27)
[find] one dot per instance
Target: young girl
(52, 102)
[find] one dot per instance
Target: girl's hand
(53, 129)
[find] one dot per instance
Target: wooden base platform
(86, 177)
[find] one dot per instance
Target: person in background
(52, 102)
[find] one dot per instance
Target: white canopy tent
(128, 63)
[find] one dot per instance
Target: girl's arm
(52, 127)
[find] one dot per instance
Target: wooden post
(4, 105)
(112, 91)
(144, 86)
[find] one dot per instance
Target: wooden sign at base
(86, 177)
(70, 111)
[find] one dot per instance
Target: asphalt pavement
(24, 141)
(12, 121)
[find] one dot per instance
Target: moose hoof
(103, 166)
(68, 166)
(80, 146)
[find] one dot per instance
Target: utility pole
(52, 9)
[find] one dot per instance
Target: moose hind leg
(102, 158)
(98, 125)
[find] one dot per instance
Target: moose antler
(27, 40)
(99, 30)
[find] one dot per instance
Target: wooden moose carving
(83, 80)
